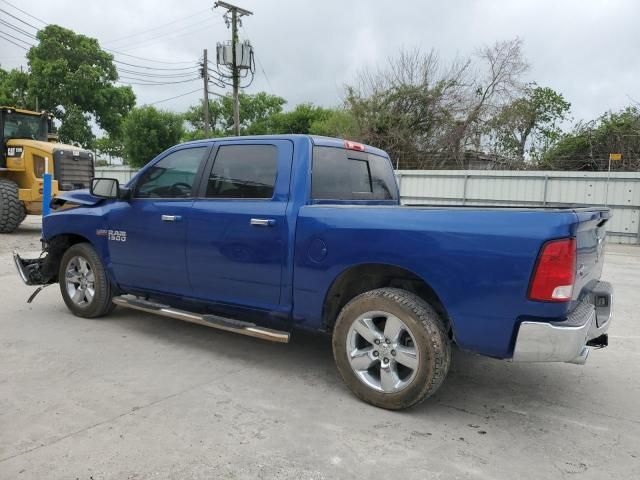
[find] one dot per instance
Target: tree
(337, 123)
(255, 111)
(148, 132)
(588, 146)
(298, 120)
(75, 80)
(482, 94)
(530, 123)
(107, 146)
(427, 113)
(14, 89)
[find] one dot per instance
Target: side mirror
(105, 188)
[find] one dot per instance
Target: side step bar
(228, 324)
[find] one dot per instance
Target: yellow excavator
(29, 149)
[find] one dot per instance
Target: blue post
(46, 189)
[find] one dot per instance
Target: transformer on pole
(234, 60)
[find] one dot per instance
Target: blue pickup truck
(262, 235)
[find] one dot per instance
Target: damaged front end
(35, 271)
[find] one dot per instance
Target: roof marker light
(349, 145)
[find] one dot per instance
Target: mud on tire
(414, 368)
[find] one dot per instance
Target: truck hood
(75, 197)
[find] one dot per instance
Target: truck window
(340, 174)
(243, 171)
(171, 177)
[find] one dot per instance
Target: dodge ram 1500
(262, 235)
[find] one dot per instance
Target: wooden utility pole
(236, 13)
(235, 72)
(205, 100)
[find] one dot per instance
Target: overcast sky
(589, 50)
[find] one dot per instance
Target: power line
(147, 59)
(155, 28)
(260, 64)
(158, 75)
(154, 68)
(107, 49)
(10, 35)
(171, 36)
(18, 29)
(11, 41)
(177, 96)
(19, 19)
(26, 13)
(150, 83)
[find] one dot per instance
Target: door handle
(171, 218)
(263, 222)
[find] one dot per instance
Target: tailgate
(590, 240)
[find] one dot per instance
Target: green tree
(337, 123)
(107, 146)
(530, 123)
(255, 111)
(588, 146)
(298, 120)
(14, 89)
(75, 79)
(148, 132)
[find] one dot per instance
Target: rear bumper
(567, 341)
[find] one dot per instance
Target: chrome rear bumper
(567, 341)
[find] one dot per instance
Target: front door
(152, 227)
(238, 232)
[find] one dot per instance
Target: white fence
(620, 192)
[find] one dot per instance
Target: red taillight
(555, 272)
(349, 145)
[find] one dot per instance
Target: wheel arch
(56, 246)
(361, 278)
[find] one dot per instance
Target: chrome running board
(221, 323)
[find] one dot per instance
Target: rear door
(238, 231)
(148, 248)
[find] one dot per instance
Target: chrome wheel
(382, 351)
(80, 281)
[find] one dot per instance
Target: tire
(416, 359)
(12, 211)
(79, 265)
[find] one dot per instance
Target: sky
(307, 51)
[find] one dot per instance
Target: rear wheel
(84, 284)
(12, 211)
(391, 348)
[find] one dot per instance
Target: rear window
(341, 174)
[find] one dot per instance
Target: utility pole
(236, 13)
(205, 100)
(236, 73)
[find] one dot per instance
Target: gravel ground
(135, 396)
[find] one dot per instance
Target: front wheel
(84, 284)
(391, 348)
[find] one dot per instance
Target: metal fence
(619, 191)
(122, 172)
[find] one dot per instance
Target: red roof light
(349, 145)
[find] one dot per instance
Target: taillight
(555, 272)
(349, 145)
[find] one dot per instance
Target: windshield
(20, 125)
